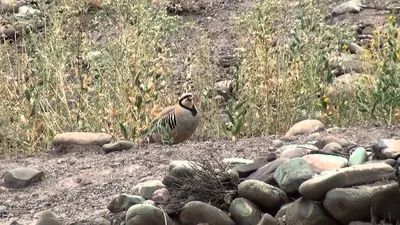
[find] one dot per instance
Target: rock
(182, 168)
(149, 202)
(245, 170)
(385, 202)
(305, 127)
(277, 143)
(321, 162)
(346, 7)
(3, 209)
(224, 88)
(196, 212)
(82, 138)
(47, 218)
(361, 223)
(232, 162)
(387, 148)
(94, 5)
(266, 173)
(348, 82)
(21, 177)
(288, 138)
(123, 202)
(219, 99)
(117, 146)
(317, 187)
(270, 157)
(332, 148)
(147, 188)
(355, 48)
(264, 195)
(351, 204)
(390, 162)
(233, 175)
(282, 211)
(161, 195)
(304, 211)
(291, 174)
(179, 163)
(26, 11)
(289, 151)
(267, 219)
(335, 60)
(359, 156)
(94, 55)
(244, 212)
(330, 139)
(367, 173)
(312, 137)
(8, 31)
(15, 222)
(144, 214)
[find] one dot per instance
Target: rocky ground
(78, 184)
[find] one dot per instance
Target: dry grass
(287, 72)
(65, 80)
(68, 79)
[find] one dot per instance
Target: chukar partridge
(176, 123)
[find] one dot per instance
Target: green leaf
(139, 101)
(225, 130)
(231, 119)
(33, 107)
(137, 80)
(123, 130)
(238, 106)
(239, 125)
(28, 95)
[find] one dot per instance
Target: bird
(176, 123)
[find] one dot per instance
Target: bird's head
(187, 100)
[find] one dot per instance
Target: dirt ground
(79, 185)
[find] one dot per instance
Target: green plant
(382, 101)
(236, 111)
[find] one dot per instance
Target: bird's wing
(165, 119)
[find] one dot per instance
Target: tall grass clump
(105, 71)
(285, 69)
(380, 103)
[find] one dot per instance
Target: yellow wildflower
(364, 79)
(374, 32)
(326, 99)
(372, 43)
(391, 19)
(345, 47)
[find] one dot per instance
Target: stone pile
(294, 186)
